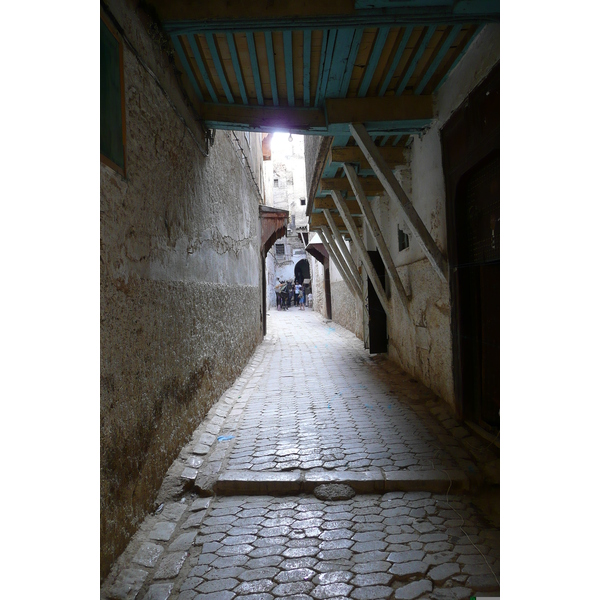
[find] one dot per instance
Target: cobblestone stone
(413, 590)
(148, 554)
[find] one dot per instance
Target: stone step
(233, 483)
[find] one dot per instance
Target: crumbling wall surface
(180, 295)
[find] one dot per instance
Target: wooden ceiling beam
(371, 185)
(263, 118)
(318, 220)
(328, 204)
(373, 110)
(393, 155)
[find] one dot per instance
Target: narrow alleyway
(237, 515)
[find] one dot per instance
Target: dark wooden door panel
(378, 339)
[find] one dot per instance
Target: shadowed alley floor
(313, 407)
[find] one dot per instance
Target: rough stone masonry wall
(180, 299)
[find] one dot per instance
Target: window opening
(402, 240)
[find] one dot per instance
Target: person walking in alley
(296, 293)
(301, 298)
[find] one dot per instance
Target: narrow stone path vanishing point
(237, 516)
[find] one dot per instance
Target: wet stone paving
(312, 407)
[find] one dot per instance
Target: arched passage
(302, 271)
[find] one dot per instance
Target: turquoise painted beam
(339, 62)
(271, 61)
(306, 66)
(236, 66)
(254, 65)
(438, 59)
(351, 61)
(416, 59)
(373, 61)
(289, 65)
(377, 128)
(243, 126)
(329, 39)
(399, 52)
(201, 67)
(212, 47)
(186, 66)
(458, 58)
(321, 64)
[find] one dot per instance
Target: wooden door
(478, 246)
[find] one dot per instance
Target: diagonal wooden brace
(394, 189)
(376, 231)
(339, 262)
(337, 236)
(362, 251)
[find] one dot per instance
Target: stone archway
(301, 270)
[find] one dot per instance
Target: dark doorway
(471, 156)
(327, 288)
(478, 282)
(378, 338)
(302, 270)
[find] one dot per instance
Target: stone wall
(180, 274)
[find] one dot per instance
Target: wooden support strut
(362, 251)
(333, 254)
(337, 236)
(376, 231)
(394, 189)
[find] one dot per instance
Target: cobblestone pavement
(312, 407)
(331, 409)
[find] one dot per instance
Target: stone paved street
(236, 516)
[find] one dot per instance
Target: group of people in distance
(288, 292)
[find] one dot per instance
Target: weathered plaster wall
(180, 294)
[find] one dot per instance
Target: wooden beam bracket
(371, 222)
(337, 238)
(394, 189)
(338, 261)
(362, 251)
